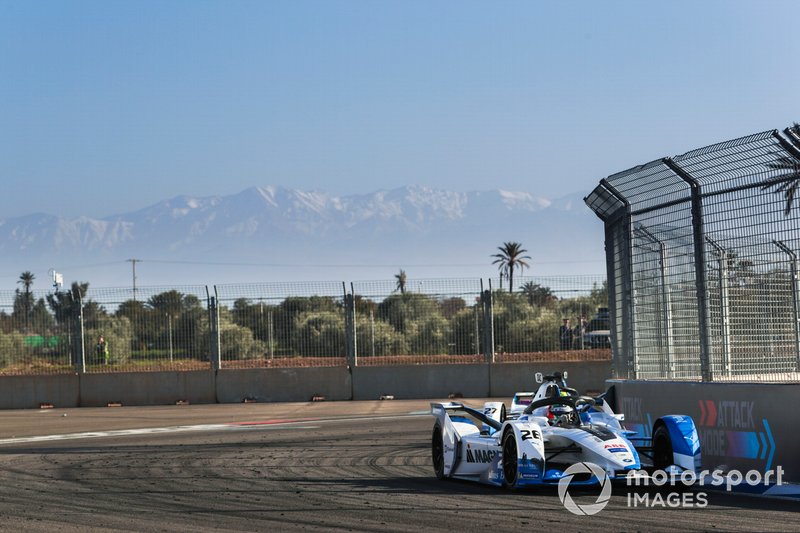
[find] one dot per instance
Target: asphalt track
(344, 466)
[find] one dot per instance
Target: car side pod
(676, 443)
(552, 475)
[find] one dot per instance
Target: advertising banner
(741, 426)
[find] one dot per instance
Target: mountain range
(288, 234)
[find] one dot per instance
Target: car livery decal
(480, 456)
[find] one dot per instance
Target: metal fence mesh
(304, 324)
(282, 324)
(702, 252)
(418, 321)
(151, 328)
(32, 340)
(565, 314)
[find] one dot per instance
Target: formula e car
(555, 428)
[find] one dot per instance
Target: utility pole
(133, 264)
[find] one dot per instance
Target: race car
(556, 429)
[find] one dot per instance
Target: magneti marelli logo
(582, 469)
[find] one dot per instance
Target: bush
(237, 342)
(12, 348)
(319, 334)
(386, 340)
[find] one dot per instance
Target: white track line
(288, 424)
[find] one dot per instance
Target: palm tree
(509, 258)
(26, 280)
(787, 183)
(537, 294)
(401, 281)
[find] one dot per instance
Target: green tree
(452, 306)
(66, 305)
(599, 295)
(509, 259)
(237, 342)
(26, 304)
(537, 333)
(287, 314)
(379, 338)
(169, 302)
(41, 319)
(319, 334)
(419, 318)
(537, 294)
(465, 328)
(508, 308)
(173, 313)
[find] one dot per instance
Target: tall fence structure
(306, 324)
(702, 258)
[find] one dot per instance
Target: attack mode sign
(741, 426)
(728, 428)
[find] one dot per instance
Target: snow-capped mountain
(409, 225)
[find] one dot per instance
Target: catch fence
(702, 254)
(308, 324)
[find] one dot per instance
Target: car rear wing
(451, 409)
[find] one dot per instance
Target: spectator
(101, 351)
(565, 335)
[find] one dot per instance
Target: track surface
(353, 466)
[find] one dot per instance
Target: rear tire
(662, 448)
(510, 469)
(437, 451)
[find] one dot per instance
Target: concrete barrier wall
(585, 376)
(420, 381)
(147, 388)
(29, 392)
(284, 384)
(741, 426)
(289, 384)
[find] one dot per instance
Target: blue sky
(107, 107)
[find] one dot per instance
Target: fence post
(619, 233)
(724, 305)
(488, 324)
(698, 237)
(78, 344)
(351, 348)
(794, 272)
(214, 336)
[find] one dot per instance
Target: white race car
(549, 431)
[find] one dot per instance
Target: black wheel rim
(437, 452)
(510, 459)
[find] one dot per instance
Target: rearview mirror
(539, 377)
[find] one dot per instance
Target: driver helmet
(560, 414)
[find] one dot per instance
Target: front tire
(437, 451)
(510, 467)
(662, 449)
